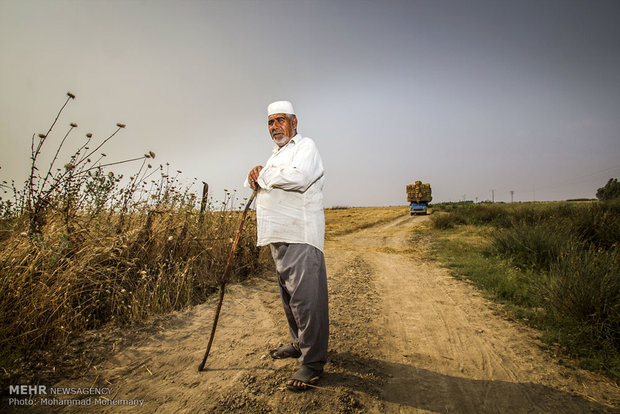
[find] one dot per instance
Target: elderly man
(290, 219)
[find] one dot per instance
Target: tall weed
(582, 294)
(598, 225)
(532, 246)
(583, 288)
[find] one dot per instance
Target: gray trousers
(303, 288)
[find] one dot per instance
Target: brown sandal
(288, 351)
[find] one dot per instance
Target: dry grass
(163, 260)
(341, 220)
(81, 247)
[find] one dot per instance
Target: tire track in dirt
(445, 347)
(405, 337)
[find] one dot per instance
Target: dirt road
(405, 337)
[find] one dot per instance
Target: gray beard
(282, 141)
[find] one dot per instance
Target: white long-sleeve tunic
(289, 203)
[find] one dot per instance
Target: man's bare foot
(304, 378)
(298, 385)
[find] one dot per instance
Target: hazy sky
(467, 95)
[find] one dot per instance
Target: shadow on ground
(418, 388)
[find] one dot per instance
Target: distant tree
(610, 191)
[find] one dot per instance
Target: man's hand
(253, 176)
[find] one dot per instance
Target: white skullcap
(280, 107)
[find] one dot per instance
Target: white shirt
(289, 203)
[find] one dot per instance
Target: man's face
(281, 128)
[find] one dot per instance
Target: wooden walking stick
(225, 279)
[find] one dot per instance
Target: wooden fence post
(203, 201)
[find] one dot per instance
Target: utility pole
(492, 196)
(512, 193)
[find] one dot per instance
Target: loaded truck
(419, 195)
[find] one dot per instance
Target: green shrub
(446, 221)
(490, 214)
(535, 247)
(610, 191)
(582, 292)
(442, 221)
(598, 225)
